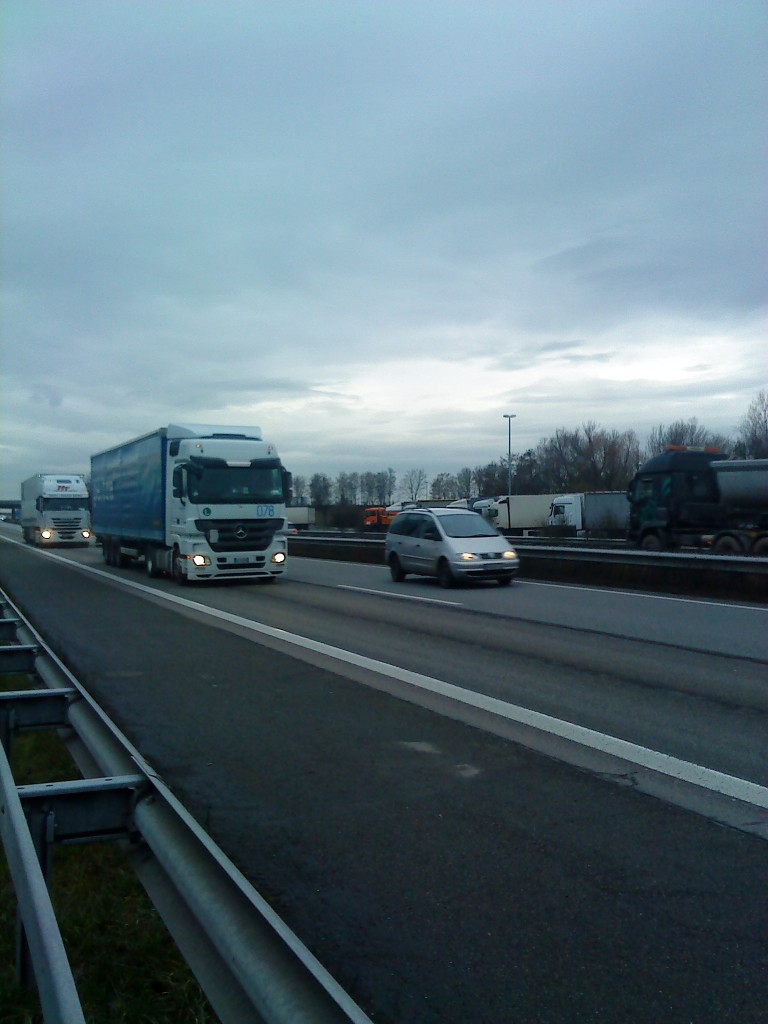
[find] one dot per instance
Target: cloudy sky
(373, 228)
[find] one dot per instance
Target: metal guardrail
(251, 966)
(738, 577)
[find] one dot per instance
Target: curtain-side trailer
(198, 502)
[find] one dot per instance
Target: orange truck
(377, 517)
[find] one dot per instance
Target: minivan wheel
(444, 575)
(504, 581)
(396, 570)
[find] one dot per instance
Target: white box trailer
(592, 512)
(519, 514)
(55, 509)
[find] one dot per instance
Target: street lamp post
(509, 416)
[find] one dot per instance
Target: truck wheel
(178, 574)
(396, 570)
(651, 542)
(150, 563)
(760, 547)
(108, 550)
(727, 546)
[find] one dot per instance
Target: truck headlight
(279, 557)
(86, 534)
(46, 534)
(200, 560)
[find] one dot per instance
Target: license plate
(241, 561)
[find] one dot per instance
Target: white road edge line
(643, 757)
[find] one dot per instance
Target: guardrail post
(41, 828)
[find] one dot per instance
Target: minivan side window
(429, 531)
(405, 524)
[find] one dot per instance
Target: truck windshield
(65, 504)
(235, 485)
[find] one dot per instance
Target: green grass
(126, 966)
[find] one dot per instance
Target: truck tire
(150, 563)
(652, 542)
(108, 550)
(760, 547)
(178, 575)
(727, 546)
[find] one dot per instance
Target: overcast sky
(373, 228)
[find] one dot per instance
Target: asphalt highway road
(443, 870)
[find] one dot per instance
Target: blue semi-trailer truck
(196, 502)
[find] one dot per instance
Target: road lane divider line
(643, 757)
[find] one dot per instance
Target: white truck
(54, 509)
(522, 515)
(300, 517)
(198, 502)
(604, 513)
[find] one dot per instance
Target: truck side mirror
(178, 483)
(287, 487)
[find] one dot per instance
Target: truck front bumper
(252, 565)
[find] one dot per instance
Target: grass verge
(126, 966)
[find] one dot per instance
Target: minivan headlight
(509, 554)
(467, 556)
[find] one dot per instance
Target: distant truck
(520, 515)
(605, 513)
(300, 517)
(198, 502)
(54, 510)
(685, 497)
(377, 517)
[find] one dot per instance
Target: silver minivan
(452, 544)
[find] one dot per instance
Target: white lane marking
(401, 597)
(643, 757)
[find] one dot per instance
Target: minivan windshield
(467, 526)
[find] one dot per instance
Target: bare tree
(320, 487)
(414, 482)
(345, 489)
(684, 432)
(490, 479)
(753, 430)
(464, 483)
(527, 477)
(299, 490)
(444, 487)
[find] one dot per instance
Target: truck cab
(55, 510)
(674, 500)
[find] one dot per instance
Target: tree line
(587, 458)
